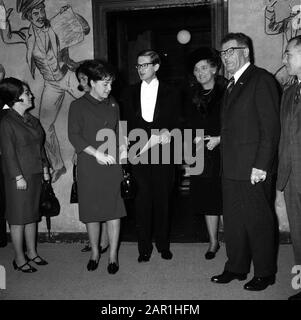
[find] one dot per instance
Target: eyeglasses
(143, 65)
(229, 52)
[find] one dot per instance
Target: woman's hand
(104, 159)
(213, 142)
(21, 183)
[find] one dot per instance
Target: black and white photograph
(149, 154)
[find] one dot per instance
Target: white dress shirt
(148, 98)
(238, 73)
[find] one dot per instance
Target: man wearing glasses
(152, 104)
(249, 139)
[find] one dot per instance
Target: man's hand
(257, 175)
(21, 183)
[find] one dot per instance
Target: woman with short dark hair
(99, 174)
(24, 166)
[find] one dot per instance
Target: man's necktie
(230, 85)
(298, 93)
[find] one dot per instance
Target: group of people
(251, 145)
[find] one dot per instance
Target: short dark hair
(97, 70)
(154, 56)
(297, 39)
(83, 68)
(242, 40)
(10, 90)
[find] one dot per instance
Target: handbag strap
(74, 173)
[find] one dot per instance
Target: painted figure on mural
(47, 43)
(283, 17)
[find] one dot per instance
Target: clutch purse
(49, 204)
(74, 195)
(128, 185)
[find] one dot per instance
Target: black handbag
(49, 204)
(74, 195)
(128, 185)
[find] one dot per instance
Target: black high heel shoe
(113, 267)
(209, 255)
(21, 268)
(92, 265)
(42, 261)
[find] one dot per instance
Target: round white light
(183, 36)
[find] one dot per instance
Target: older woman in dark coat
(202, 108)
(24, 166)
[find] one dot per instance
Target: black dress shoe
(144, 257)
(209, 255)
(166, 254)
(37, 260)
(113, 267)
(22, 268)
(259, 283)
(295, 296)
(92, 265)
(228, 276)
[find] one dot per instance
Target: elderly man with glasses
(249, 139)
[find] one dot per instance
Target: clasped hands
(257, 175)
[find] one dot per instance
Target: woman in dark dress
(81, 75)
(25, 165)
(202, 108)
(99, 174)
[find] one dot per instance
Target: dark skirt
(22, 206)
(206, 195)
(99, 196)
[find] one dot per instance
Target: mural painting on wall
(283, 17)
(47, 42)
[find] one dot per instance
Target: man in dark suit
(289, 169)
(152, 104)
(3, 237)
(249, 139)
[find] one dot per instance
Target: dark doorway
(121, 30)
(132, 31)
